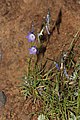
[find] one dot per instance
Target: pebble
(0, 55)
(3, 99)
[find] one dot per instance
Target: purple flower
(57, 66)
(65, 73)
(48, 17)
(33, 50)
(31, 37)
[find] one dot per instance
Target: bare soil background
(16, 17)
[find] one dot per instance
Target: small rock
(2, 99)
(0, 56)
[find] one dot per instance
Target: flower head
(33, 50)
(65, 73)
(31, 37)
(48, 17)
(57, 66)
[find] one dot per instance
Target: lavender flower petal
(57, 65)
(65, 73)
(33, 50)
(31, 37)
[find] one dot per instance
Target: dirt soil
(16, 17)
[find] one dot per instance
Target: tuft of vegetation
(56, 87)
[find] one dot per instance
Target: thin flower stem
(76, 36)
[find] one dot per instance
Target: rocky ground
(16, 17)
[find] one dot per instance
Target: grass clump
(56, 87)
(58, 91)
